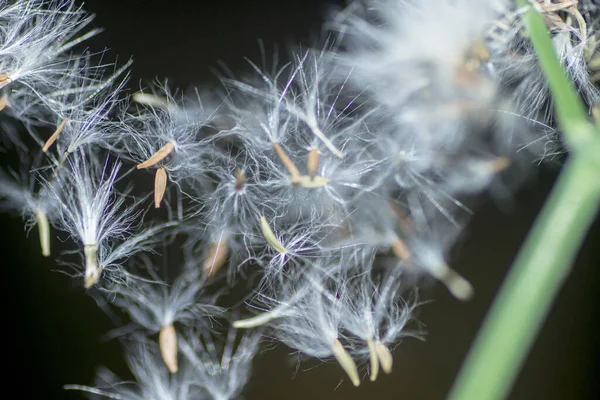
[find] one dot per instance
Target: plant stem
(527, 294)
(571, 113)
(544, 261)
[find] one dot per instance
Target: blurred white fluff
(155, 304)
(516, 65)
(153, 380)
(26, 195)
(222, 367)
(339, 175)
(170, 129)
(417, 52)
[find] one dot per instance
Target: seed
(54, 136)
(160, 185)
(160, 155)
(167, 341)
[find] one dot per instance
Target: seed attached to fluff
(312, 182)
(44, 231)
(259, 320)
(54, 136)
(287, 162)
(215, 259)
(160, 185)
(167, 341)
(240, 179)
(346, 362)
(270, 236)
(3, 102)
(458, 286)
(580, 22)
(404, 219)
(4, 80)
(312, 162)
(160, 155)
(374, 360)
(328, 143)
(385, 357)
(92, 270)
(475, 57)
(151, 100)
(499, 164)
(400, 249)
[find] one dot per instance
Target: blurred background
(53, 330)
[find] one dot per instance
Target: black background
(52, 330)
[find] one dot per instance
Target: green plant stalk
(531, 286)
(544, 261)
(570, 111)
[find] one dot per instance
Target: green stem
(571, 113)
(527, 294)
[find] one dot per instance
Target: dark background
(52, 330)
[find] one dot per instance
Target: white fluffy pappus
(84, 119)
(35, 38)
(156, 307)
(153, 380)
(375, 316)
(163, 134)
(91, 210)
(283, 246)
(312, 325)
(574, 35)
(222, 367)
(154, 304)
(420, 59)
(25, 195)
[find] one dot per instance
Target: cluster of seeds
(326, 187)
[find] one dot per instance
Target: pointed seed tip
(167, 340)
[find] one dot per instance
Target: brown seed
(4, 80)
(240, 179)
(465, 75)
(400, 249)
(287, 162)
(160, 155)
(499, 164)
(404, 219)
(215, 258)
(54, 136)
(312, 163)
(160, 185)
(480, 50)
(167, 341)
